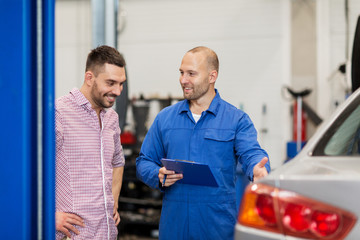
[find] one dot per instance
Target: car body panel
(247, 233)
(334, 180)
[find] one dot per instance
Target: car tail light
(272, 209)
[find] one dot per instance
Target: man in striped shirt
(89, 156)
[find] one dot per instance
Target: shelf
(139, 219)
(141, 201)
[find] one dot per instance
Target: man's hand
(65, 223)
(116, 215)
(171, 177)
(260, 170)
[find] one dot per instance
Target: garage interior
(266, 48)
(263, 46)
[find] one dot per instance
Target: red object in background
(303, 124)
(127, 138)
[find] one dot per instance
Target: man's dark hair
(101, 55)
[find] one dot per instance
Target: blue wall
(19, 121)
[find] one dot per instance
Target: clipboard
(193, 173)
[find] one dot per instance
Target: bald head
(211, 57)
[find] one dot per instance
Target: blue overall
(223, 136)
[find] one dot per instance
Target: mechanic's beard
(197, 93)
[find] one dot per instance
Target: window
(343, 137)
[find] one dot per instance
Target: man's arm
(249, 152)
(148, 163)
(118, 173)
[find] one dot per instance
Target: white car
(317, 194)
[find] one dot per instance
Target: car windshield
(343, 137)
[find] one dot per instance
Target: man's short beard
(198, 94)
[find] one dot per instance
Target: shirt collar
(81, 100)
(213, 108)
(79, 97)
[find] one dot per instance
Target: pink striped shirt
(85, 158)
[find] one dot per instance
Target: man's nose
(117, 90)
(183, 79)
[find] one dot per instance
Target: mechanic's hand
(260, 170)
(171, 177)
(116, 216)
(65, 223)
